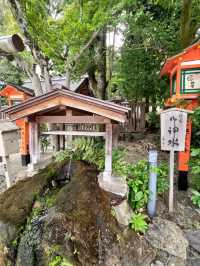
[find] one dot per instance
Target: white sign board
(173, 129)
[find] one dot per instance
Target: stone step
(114, 184)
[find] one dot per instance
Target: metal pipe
(11, 44)
(151, 206)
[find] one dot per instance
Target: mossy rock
(16, 202)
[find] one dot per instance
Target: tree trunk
(101, 64)
(188, 27)
(147, 104)
(36, 84)
(68, 80)
(92, 79)
(46, 76)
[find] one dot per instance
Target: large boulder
(16, 202)
(81, 228)
(168, 239)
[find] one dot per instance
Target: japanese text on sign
(173, 130)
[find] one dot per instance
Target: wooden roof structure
(190, 53)
(66, 98)
(23, 89)
(62, 106)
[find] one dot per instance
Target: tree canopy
(70, 38)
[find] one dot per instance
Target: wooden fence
(136, 117)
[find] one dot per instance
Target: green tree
(151, 35)
(10, 73)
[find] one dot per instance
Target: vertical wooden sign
(173, 133)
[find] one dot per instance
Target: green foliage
(195, 167)
(151, 35)
(90, 150)
(138, 222)
(195, 198)
(196, 128)
(60, 261)
(63, 155)
(50, 199)
(86, 149)
(138, 183)
(153, 120)
(162, 178)
(44, 143)
(9, 73)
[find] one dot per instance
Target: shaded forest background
(73, 38)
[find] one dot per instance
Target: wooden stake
(171, 181)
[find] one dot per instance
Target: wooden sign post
(173, 132)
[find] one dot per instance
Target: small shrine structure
(13, 95)
(9, 144)
(62, 106)
(183, 71)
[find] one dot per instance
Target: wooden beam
(72, 103)
(75, 133)
(73, 119)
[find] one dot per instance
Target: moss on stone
(16, 202)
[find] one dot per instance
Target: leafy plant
(92, 151)
(195, 168)
(153, 120)
(196, 128)
(44, 142)
(162, 181)
(195, 198)
(138, 222)
(59, 261)
(138, 183)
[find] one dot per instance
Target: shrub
(153, 120)
(196, 128)
(138, 183)
(92, 151)
(195, 168)
(138, 222)
(196, 198)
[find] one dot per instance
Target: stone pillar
(108, 153)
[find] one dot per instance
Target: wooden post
(171, 181)
(34, 142)
(115, 135)
(108, 153)
(63, 128)
(69, 128)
